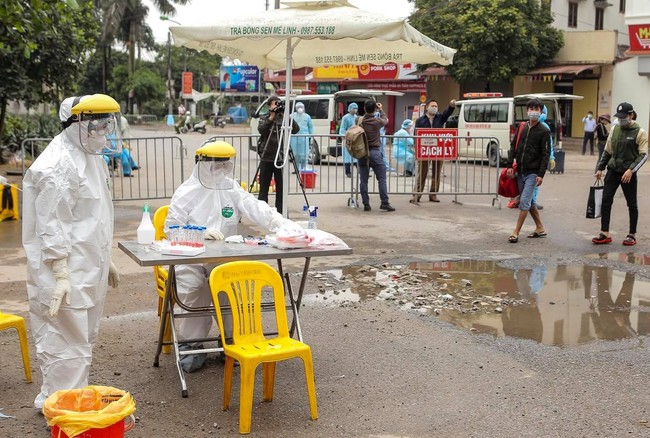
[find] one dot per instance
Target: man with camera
(375, 160)
(270, 129)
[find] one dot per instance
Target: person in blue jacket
(403, 148)
(300, 145)
(348, 121)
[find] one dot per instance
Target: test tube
(172, 233)
(184, 233)
(201, 233)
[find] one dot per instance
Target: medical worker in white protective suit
(300, 145)
(213, 199)
(67, 236)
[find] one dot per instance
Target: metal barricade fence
(139, 119)
(152, 168)
(147, 168)
(470, 174)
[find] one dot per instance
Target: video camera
(279, 108)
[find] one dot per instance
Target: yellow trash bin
(93, 412)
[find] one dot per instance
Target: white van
(326, 111)
(490, 115)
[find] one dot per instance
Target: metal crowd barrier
(470, 174)
(148, 168)
(163, 163)
(139, 119)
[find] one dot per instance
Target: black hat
(535, 103)
(623, 110)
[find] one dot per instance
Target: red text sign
(187, 83)
(436, 144)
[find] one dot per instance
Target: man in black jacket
(531, 150)
(431, 119)
(269, 129)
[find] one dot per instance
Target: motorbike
(195, 127)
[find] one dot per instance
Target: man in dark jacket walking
(626, 150)
(270, 129)
(431, 119)
(531, 150)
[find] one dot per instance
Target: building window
(600, 15)
(573, 14)
(621, 6)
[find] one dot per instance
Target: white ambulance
(492, 115)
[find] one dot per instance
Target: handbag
(508, 187)
(595, 200)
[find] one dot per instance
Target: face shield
(100, 134)
(98, 120)
(216, 173)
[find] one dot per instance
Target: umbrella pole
(286, 127)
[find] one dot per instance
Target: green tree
(44, 42)
(125, 21)
(147, 85)
(496, 39)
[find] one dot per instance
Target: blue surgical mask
(624, 122)
(534, 115)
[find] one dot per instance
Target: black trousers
(588, 137)
(268, 171)
(612, 181)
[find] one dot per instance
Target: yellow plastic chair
(243, 282)
(161, 274)
(8, 321)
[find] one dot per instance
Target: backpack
(356, 141)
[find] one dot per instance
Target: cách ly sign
(436, 144)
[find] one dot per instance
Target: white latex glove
(213, 234)
(62, 288)
(113, 276)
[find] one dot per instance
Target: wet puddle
(563, 305)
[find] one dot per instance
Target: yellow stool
(8, 321)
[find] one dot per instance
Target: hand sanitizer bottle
(146, 231)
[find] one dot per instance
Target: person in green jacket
(626, 150)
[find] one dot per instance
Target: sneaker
(349, 175)
(539, 206)
(367, 207)
(386, 207)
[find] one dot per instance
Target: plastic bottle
(313, 214)
(146, 232)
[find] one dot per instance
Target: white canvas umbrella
(312, 34)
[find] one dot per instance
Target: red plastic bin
(308, 178)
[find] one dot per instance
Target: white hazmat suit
(214, 200)
(68, 219)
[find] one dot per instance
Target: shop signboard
(639, 37)
(240, 78)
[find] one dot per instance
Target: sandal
(630, 240)
(513, 239)
(601, 239)
(537, 234)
